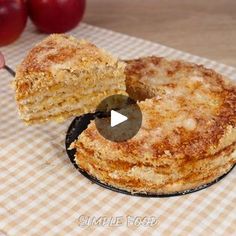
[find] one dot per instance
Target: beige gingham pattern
(41, 193)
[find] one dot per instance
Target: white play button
(117, 118)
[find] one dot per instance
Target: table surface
(205, 28)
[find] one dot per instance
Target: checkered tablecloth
(41, 193)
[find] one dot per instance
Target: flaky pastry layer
(187, 137)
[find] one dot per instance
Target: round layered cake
(188, 133)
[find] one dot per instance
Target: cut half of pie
(62, 77)
(188, 134)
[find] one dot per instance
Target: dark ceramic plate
(76, 128)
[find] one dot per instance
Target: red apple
(13, 17)
(56, 16)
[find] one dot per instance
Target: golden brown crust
(161, 180)
(190, 116)
(216, 89)
(141, 75)
(54, 53)
(62, 77)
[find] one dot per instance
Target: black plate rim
(70, 154)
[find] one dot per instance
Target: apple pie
(62, 77)
(188, 134)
